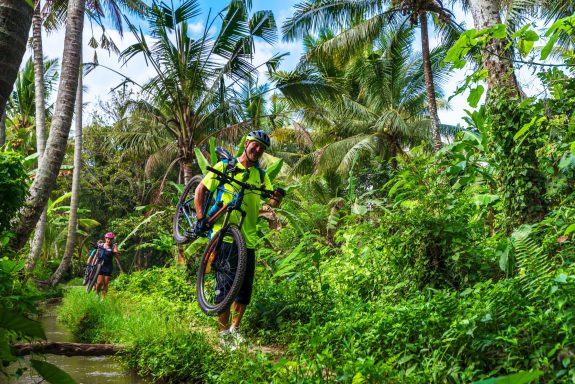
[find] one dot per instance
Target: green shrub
(13, 187)
(177, 357)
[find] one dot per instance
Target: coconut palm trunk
(38, 52)
(186, 162)
(73, 221)
(2, 129)
(15, 21)
(496, 59)
(58, 139)
(524, 191)
(429, 87)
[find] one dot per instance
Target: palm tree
(22, 105)
(55, 12)
(383, 111)
(73, 222)
(23, 111)
(57, 142)
(97, 11)
(15, 21)
(192, 92)
(362, 22)
(38, 55)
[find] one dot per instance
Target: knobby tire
(93, 277)
(205, 286)
(185, 216)
(87, 274)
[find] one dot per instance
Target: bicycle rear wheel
(221, 272)
(185, 217)
(93, 276)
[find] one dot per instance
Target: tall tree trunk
(186, 168)
(38, 240)
(2, 129)
(15, 20)
(496, 59)
(57, 141)
(429, 86)
(73, 222)
(520, 183)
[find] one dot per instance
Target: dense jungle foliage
(391, 259)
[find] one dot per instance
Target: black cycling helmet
(259, 136)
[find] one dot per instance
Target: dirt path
(214, 339)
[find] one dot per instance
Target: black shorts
(106, 270)
(224, 282)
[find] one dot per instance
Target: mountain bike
(223, 262)
(87, 273)
(92, 275)
(90, 264)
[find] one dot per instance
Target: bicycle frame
(235, 204)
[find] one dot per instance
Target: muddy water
(84, 369)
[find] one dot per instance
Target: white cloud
(196, 28)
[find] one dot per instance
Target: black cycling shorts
(106, 270)
(224, 282)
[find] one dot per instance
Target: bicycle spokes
(221, 273)
(185, 217)
(188, 218)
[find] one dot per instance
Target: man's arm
(199, 199)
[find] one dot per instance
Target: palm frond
(313, 15)
(263, 25)
(333, 155)
(351, 41)
(304, 87)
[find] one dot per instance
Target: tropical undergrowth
(414, 285)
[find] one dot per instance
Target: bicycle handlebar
(223, 176)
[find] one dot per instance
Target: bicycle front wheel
(93, 277)
(221, 271)
(185, 217)
(87, 274)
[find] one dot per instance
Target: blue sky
(99, 83)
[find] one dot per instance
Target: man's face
(254, 150)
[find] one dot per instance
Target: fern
(532, 263)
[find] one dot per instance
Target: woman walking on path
(107, 251)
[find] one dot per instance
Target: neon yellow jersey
(250, 204)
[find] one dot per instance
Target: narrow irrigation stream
(84, 369)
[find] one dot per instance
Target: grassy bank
(335, 329)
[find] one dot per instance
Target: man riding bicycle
(245, 169)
